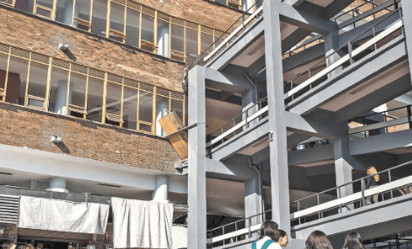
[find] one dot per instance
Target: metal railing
(305, 44)
(237, 230)
(319, 72)
(237, 124)
(227, 36)
(382, 122)
(391, 186)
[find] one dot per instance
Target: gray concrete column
(197, 222)
(253, 199)
(161, 188)
(68, 12)
(278, 138)
(343, 167)
(332, 45)
(162, 109)
(249, 100)
(61, 98)
(163, 41)
(407, 21)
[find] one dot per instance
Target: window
(177, 106)
(16, 85)
(77, 96)
(99, 17)
(206, 41)
(147, 31)
(191, 43)
(145, 110)
(58, 90)
(130, 108)
(114, 104)
(36, 90)
(162, 109)
(3, 73)
(117, 13)
(64, 11)
(25, 5)
(162, 38)
(82, 15)
(44, 8)
(132, 27)
(94, 99)
(178, 43)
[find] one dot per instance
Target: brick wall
(20, 126)
(43, 37)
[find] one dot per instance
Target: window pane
(191, 44)
(99, 17)
(177, 106)
(114, 96)
(116, 17)
(26, 5)
(132, 27)
(163, 38)
(37, 80)
(94, 99)
(64, 11)
(43, 12)
(129, 108)
(45, 3)
(162, 108)
(58, 90)
(221, 1)
(145, 127)
(3, 70)
(82, 9)
(16, 86)
(146, 106)
(77, 89)
(147, 28)
(177, 38)
(206, 41)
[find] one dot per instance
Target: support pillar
(162, 109)
(197, 221)
(407, 22)
(61, 98)
(343, 167)
(332, 45)
(67, 16)
(248, 100)
(163, 41)
(161, 189)
(253, 200)
(278, 137)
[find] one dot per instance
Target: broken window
(3, 74)
(147, 42)
(145, 108)
(82, 14)
(44, 8)
(177, 106)
(25, 5)
(114, 104)
(94, 99)
(36, 90)
(99, 17)
(77, 95)
(117, 14)
(206, 41)
(17, 78)
(163, 36)
(64, 11)
(58, 90)
(130, 108)
(191, 43)
(132, 27)
(178, 43)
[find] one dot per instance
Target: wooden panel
(171, 123)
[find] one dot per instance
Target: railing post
(390, 180)
(317, 203)
(350, 52)
(223, 233)
(250, 227)
(363, 192)
(246, 116)
(409, 116)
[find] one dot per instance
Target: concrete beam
(235, 168)
(228, 81)
(311, 155)
(320, 170)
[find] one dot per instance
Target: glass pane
(94, 99)
(37, 80)
(162, 109)
(99, 17)
(16, 86)
(26, 5)
(177, 106)
(163, 38)
(114, 96)
(77, 89)
(35, 102)
(221, 1)
(206, 41)
(129, 108)
(147, 28)
(117, 17)
(132, 27)
(191, 44)
(177, 38)
(145, 127)
(58, 90)
(3, 69)
(82, 9)
(45, 3)
(43, 12)
(146, 106)
(64, 11)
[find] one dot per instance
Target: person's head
(281, 237)
(353, 241)
(318, 240)
(372, 170)
(268, 228)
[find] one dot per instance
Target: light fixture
(63, 47)
(55, 139)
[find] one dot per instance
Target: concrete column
(253, 199)
(407, 22)
(278, 138)
(197, 222)
(343, 167)
(161, 189)
(57, 184)
(68, 12)
(162, 109)
(248, 100)
(33, 184)
(61, 98)
(331, 45)
(163, 41)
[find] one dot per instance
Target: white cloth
(63, 216)
(142, 224)
(262, 241)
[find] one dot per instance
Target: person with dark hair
(353, 241)
(281, 237)
(267, 233)
(318, 240)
